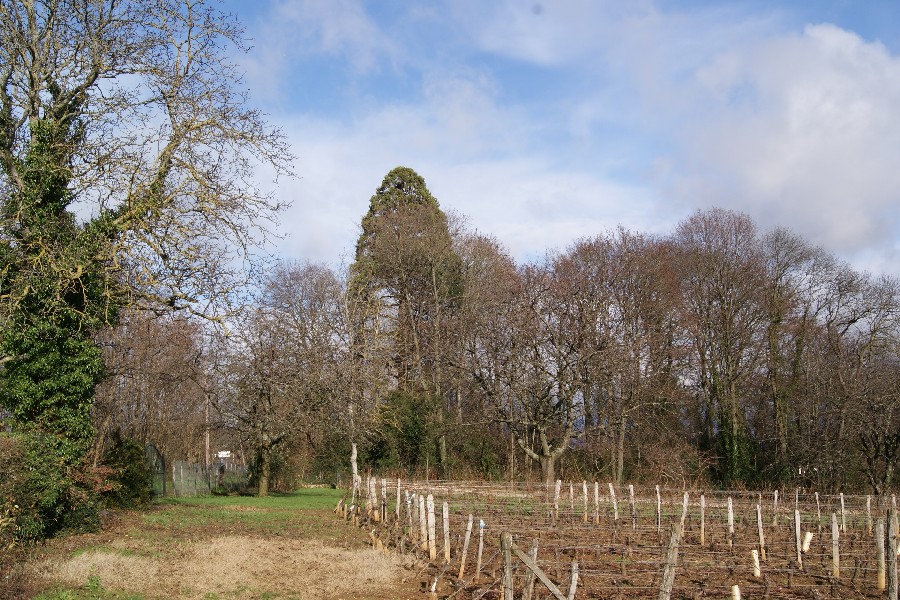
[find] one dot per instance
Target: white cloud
(802, 131)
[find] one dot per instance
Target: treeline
(718, 354)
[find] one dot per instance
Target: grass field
(283, 547)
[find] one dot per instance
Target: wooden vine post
(668, 578)
(775, 510)
(596, 503)
(730, 524)
(879, 550)
(843, 517)
(869, 515)
(465, 550)
(432, 542)
(797, 539)
(631, 504)
(702, 520)
(835, 548)
(556, 499)
(480, 548)
(423, 524)
(892, 553)
(612, 497)
(658, 512)
(531, 575)
(762, 537)
(446, 519)
(506, 551)
(584, 516)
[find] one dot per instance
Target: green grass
(307, 498)
(269, 513)
(91, 590)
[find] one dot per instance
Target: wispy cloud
(546, 121)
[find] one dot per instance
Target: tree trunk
(620, 450)
(548, 469)
(264, 471)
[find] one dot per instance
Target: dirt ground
(134, 557)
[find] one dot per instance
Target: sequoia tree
(405, 263)
(126, 155)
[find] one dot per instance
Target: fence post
(531, 575)
(892, 553)
(835, 556)
(612, 496)
(506, 550)
(432, 542)
(573, 586)
(480, 548)
(465, 550)
(702, 520)
(631, 504)
(668, 579)
(759, 527)
(730, 524)
(879, 551)
(584, 517)
(446, 515)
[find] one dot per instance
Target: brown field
(624, 558)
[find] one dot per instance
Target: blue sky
(547, 121)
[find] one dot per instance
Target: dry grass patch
(237, 567)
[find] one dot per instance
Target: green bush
(130, 483)
(51, 493)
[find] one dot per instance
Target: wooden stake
(797, 539)
(596, 503)
(775, 511)
(702, 520)
(446, 515)
(530, 575)
(480, 548)
(879, 551)
(397, 508)
(631, 504)
(735, 592)
(807, 540)
(556, 499)
(668, 578)
(506, 550)
(818, 513)
(658, 512)
(465, 550)
(612, 496)
(759, 528)
(869, 515)
(757, 571)
(423, 524)
(892, 554)
(843, 518)
(432, 542)
(730, 524)
(684, 509)
(572, 499)
(573, 586)
(584, 516)
(835, 548)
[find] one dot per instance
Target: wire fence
(807, 545)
